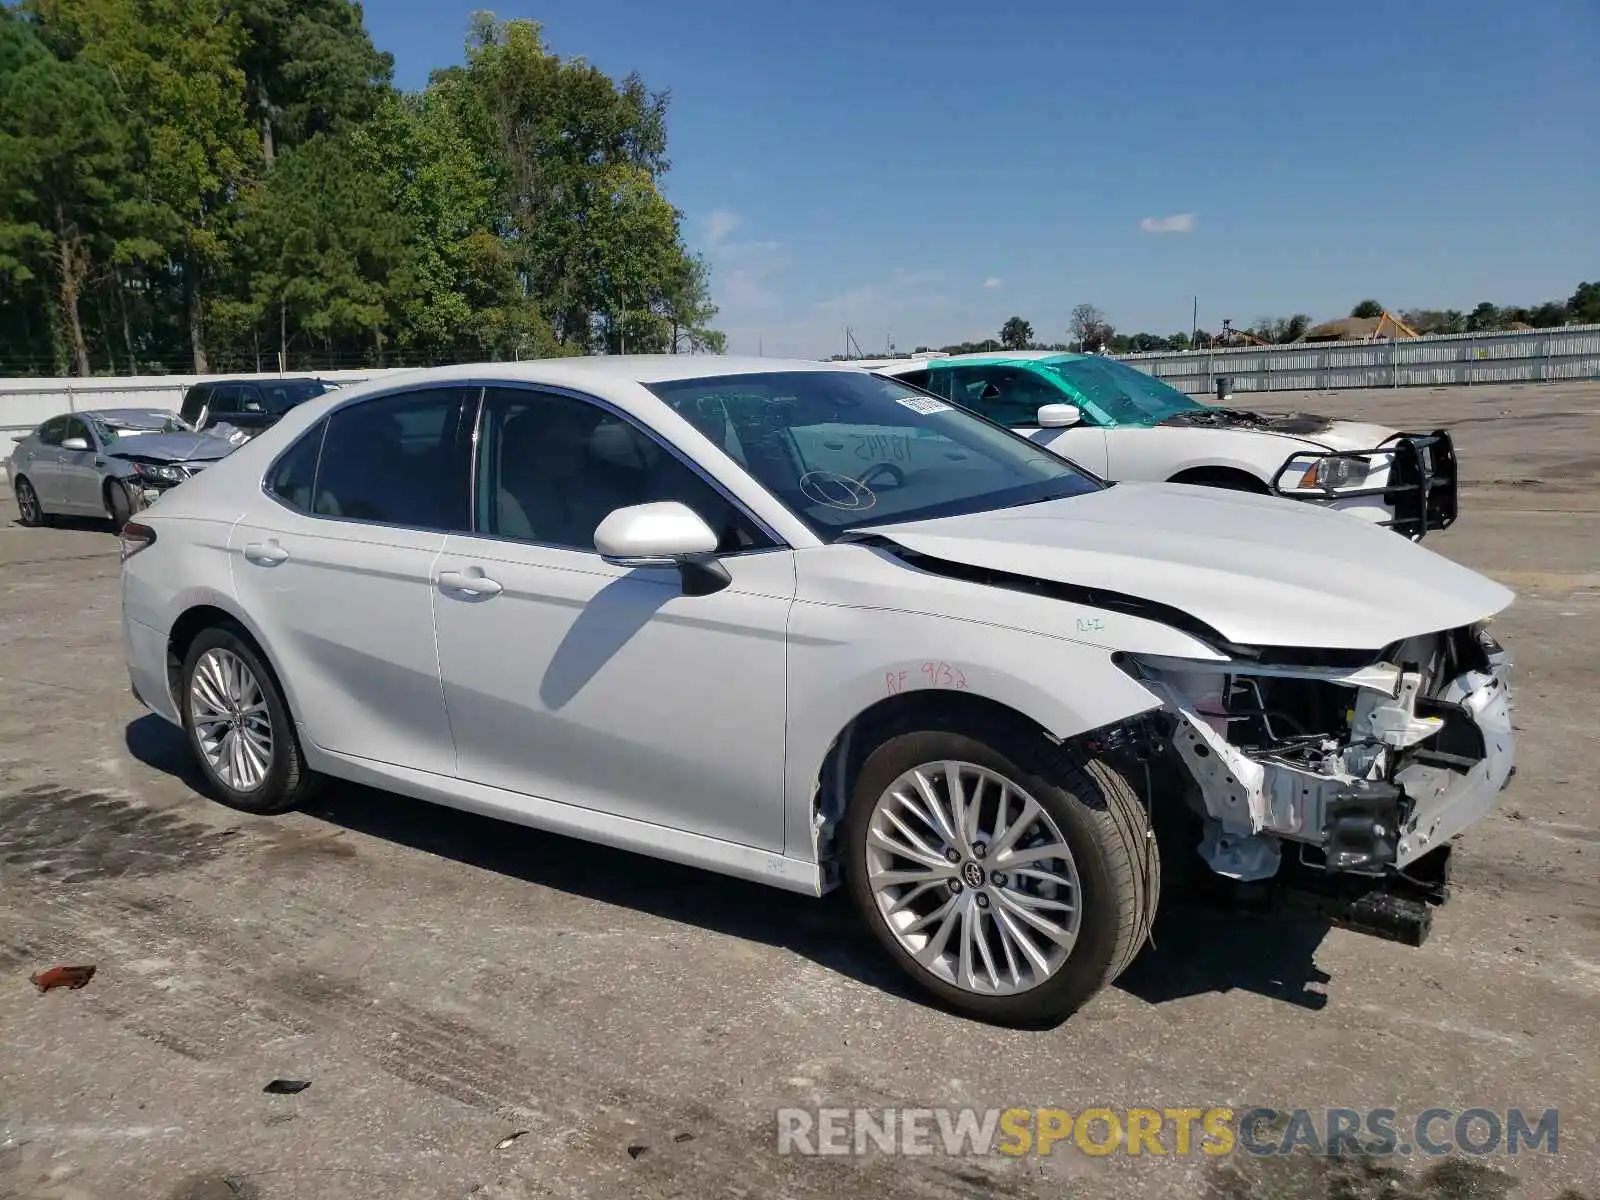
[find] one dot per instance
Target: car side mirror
(663, 534)
(74, 443)
(1059, 416)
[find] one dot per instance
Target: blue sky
(926, 169)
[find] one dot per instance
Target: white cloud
(743, 273)
(1177, 223)
(720, 222)
(992, 283)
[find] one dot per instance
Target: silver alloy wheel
(973, 878)
(231, 720)
(27, 503)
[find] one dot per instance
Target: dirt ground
(445, 982)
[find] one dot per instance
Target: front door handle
(469, 583)
(266, 554)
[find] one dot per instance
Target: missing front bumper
(1412, 764)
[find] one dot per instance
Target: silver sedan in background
(105, 463)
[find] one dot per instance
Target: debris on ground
(287, 1087)
(509, 1138)
(636, 1151)
(67, 977)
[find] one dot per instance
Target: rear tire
(29, 511)
(239, 726)
(1110, 875)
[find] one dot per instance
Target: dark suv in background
(247, 404)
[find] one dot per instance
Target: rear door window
(398, 460)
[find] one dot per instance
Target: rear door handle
(267, 554)
(472, 582)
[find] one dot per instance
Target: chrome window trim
(474, 393)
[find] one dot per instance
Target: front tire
(119, 503)
(239, 726)
(1012, 879)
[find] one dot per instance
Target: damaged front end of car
(1342, 781)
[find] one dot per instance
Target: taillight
(136, 537)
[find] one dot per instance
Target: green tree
(1548, 315)
(1584, 306)
(310, 67)
(577, 157)
(175, 66)
(688, 309)
(1089, 327)
(1483, 318)
(1016, 334)
(63, 159)
(319, 245)
(238, 181)
(1367, 309)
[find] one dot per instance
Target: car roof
(258, 379)
(599, 368)
(663, 368)
(981, 359)
(125, 414)
(1011, 356)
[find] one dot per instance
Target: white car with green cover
(1123, 424)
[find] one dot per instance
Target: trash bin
(1224, 387)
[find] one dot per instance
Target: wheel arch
(211, 611)
(1218, 475)
(826, 753)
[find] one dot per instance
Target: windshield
(1117, 394)
(844, 449)
(281, 397)
(111, 426)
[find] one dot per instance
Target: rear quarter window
(295, 474)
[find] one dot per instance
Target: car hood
(1353, 435)
(1259, 570)
(172, 447)
(1327, 432)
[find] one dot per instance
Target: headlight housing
(1327, 474)
(163, 473)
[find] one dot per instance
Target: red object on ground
(67, 977)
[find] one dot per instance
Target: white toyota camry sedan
(810, 626)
